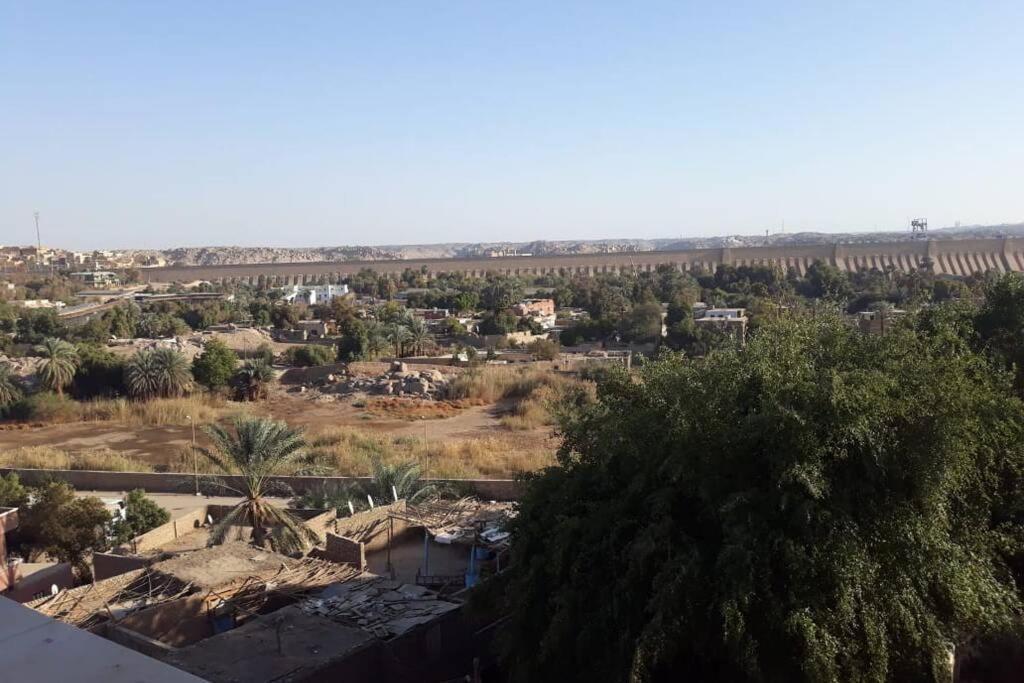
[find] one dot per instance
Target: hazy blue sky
(141, 124)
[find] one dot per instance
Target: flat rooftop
(218, 566)
(37, 649)
(286, 645)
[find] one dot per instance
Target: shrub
(140, 515)
(309, 355)
(44, 407)
(544, 349)
(215, 366)
(12, 493)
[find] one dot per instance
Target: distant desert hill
(212, 256)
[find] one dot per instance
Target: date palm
(59, 362)
(252, 379)
(10, 390)
(398, 335)
(419, 335)
(257, 449)
(158, 372)
(402, 479)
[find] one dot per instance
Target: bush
(544, 349)
(44, 407)
(12, 493)
(309, 355)
(140, 515)
(215, 366)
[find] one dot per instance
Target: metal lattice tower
(919, 227)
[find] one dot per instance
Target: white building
(314, 294)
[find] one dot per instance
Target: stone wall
(161, 482)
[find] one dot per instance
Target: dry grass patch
(416, 409)
(49, 458)
(349, 451)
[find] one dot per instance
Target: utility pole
(39, 241)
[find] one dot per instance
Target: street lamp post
(195, 453)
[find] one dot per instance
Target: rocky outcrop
(428, 383)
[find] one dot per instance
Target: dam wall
(948, 257)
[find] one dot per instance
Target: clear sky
(149, 124)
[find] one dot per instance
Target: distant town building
(96, 278)
(733, 320)
(534, 307)
(312, 295)
(37, 303)
(880, 321)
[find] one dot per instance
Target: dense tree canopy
(215, 366)
(820, 506)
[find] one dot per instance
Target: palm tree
(10, 389)
(376, 344)
(398, 335)
(404, 480)
(258, 449)
(419, 335)
(140, 375)
(252, 379)
(158, 372)
(59, 362)
(174, 371)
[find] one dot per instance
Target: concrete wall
(162, 482)
(165, 533)
(950, 257)
(176, 623)
(107, 565)
(39, 582)
(134, 640)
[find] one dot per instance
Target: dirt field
(409, 421)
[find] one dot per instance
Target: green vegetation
(10, 387)
(309, 355)
(404, 479)
(12, 493)
(823, 505)
(158, 372)
(257, 449)
(64, 526)
(252, 379)
(59, 362)
(99, 374)
(140, 515)
(215, 366)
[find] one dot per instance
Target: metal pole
(195, 454)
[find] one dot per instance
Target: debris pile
(379, 606)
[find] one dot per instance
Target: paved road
(177, 504)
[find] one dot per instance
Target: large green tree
(820, 506)
(215, 366)
(65, 526)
